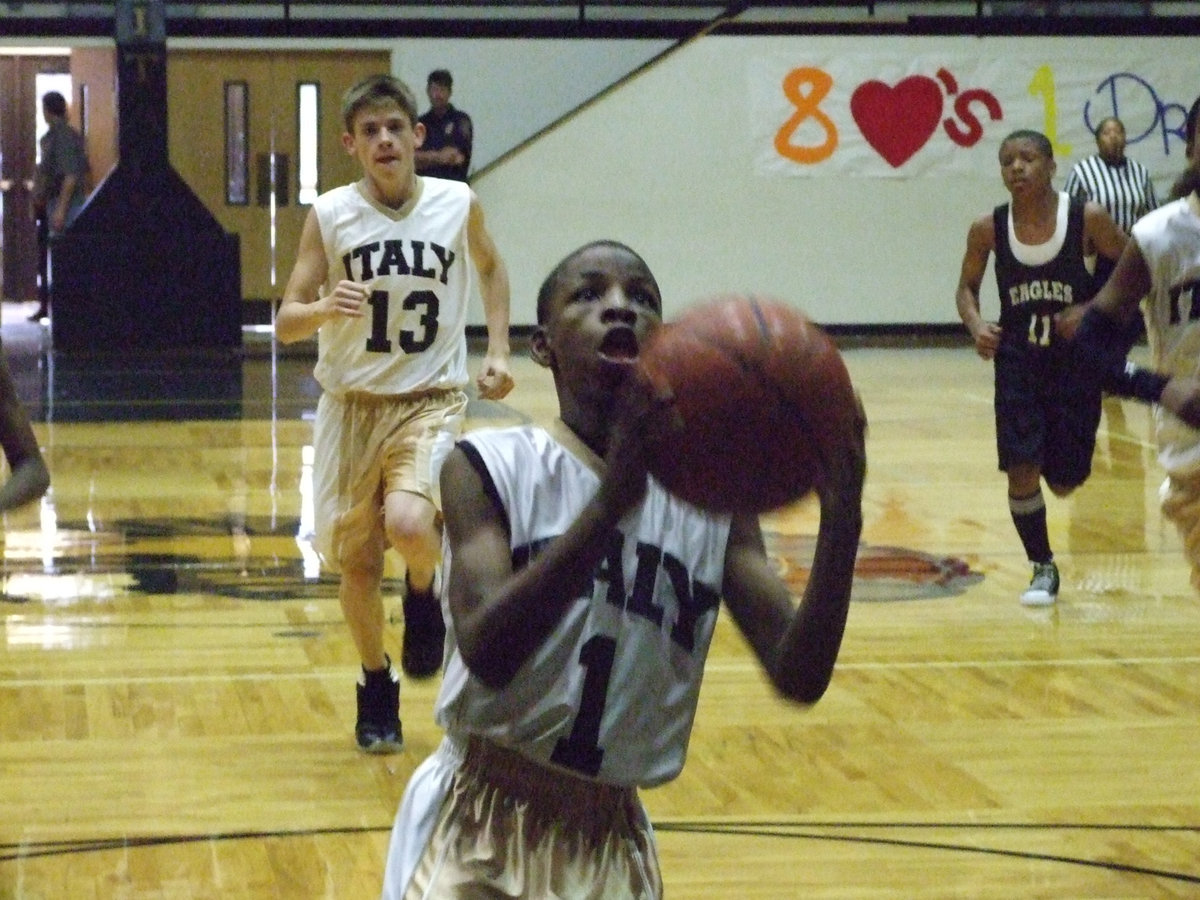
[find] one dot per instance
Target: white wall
(515, 88)
(662, 164)
(661, 161)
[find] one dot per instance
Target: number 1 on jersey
(580, 749)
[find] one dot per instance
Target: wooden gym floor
(176, 685)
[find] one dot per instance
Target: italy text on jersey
(420, 259)
(640, 598)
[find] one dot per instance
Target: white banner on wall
(889, 115)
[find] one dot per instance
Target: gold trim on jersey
(398, 212)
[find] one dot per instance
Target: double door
(20, 114)
(256, 134)
(253, 133)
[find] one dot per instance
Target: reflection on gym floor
(176, 680)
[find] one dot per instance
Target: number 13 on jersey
(424, 302)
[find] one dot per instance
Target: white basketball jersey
(611, 694)
(413, 334)
(1169, 239)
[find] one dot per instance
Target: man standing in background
(446, 151)
(59, 189)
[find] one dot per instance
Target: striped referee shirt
(1125, 190)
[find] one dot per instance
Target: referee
(1119, 184)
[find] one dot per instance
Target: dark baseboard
(900, 335)
(257, 311)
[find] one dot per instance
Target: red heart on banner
(897, 121)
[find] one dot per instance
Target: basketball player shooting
(583, 598)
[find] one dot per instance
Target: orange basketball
(764, 398)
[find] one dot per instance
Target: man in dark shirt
(446, 150)
(60, 187)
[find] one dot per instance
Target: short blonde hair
(377, 90)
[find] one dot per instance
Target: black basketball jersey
(1030, 295)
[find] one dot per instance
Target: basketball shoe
(1043, 588)
(378, 727)
(424, 641)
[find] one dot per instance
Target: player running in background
(1045, 427)
(1162, 264)
(383, 277)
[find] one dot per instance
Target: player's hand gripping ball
(764, 399)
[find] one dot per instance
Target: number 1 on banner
(1043, 84)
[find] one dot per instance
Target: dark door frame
(18, 156)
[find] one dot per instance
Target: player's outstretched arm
(1117, 301)
(501, 615)
(798, 646)
(29, 478)
(981, 240)
(494, 380)
(1102, 343)
(303, 310)
(1102, 233)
